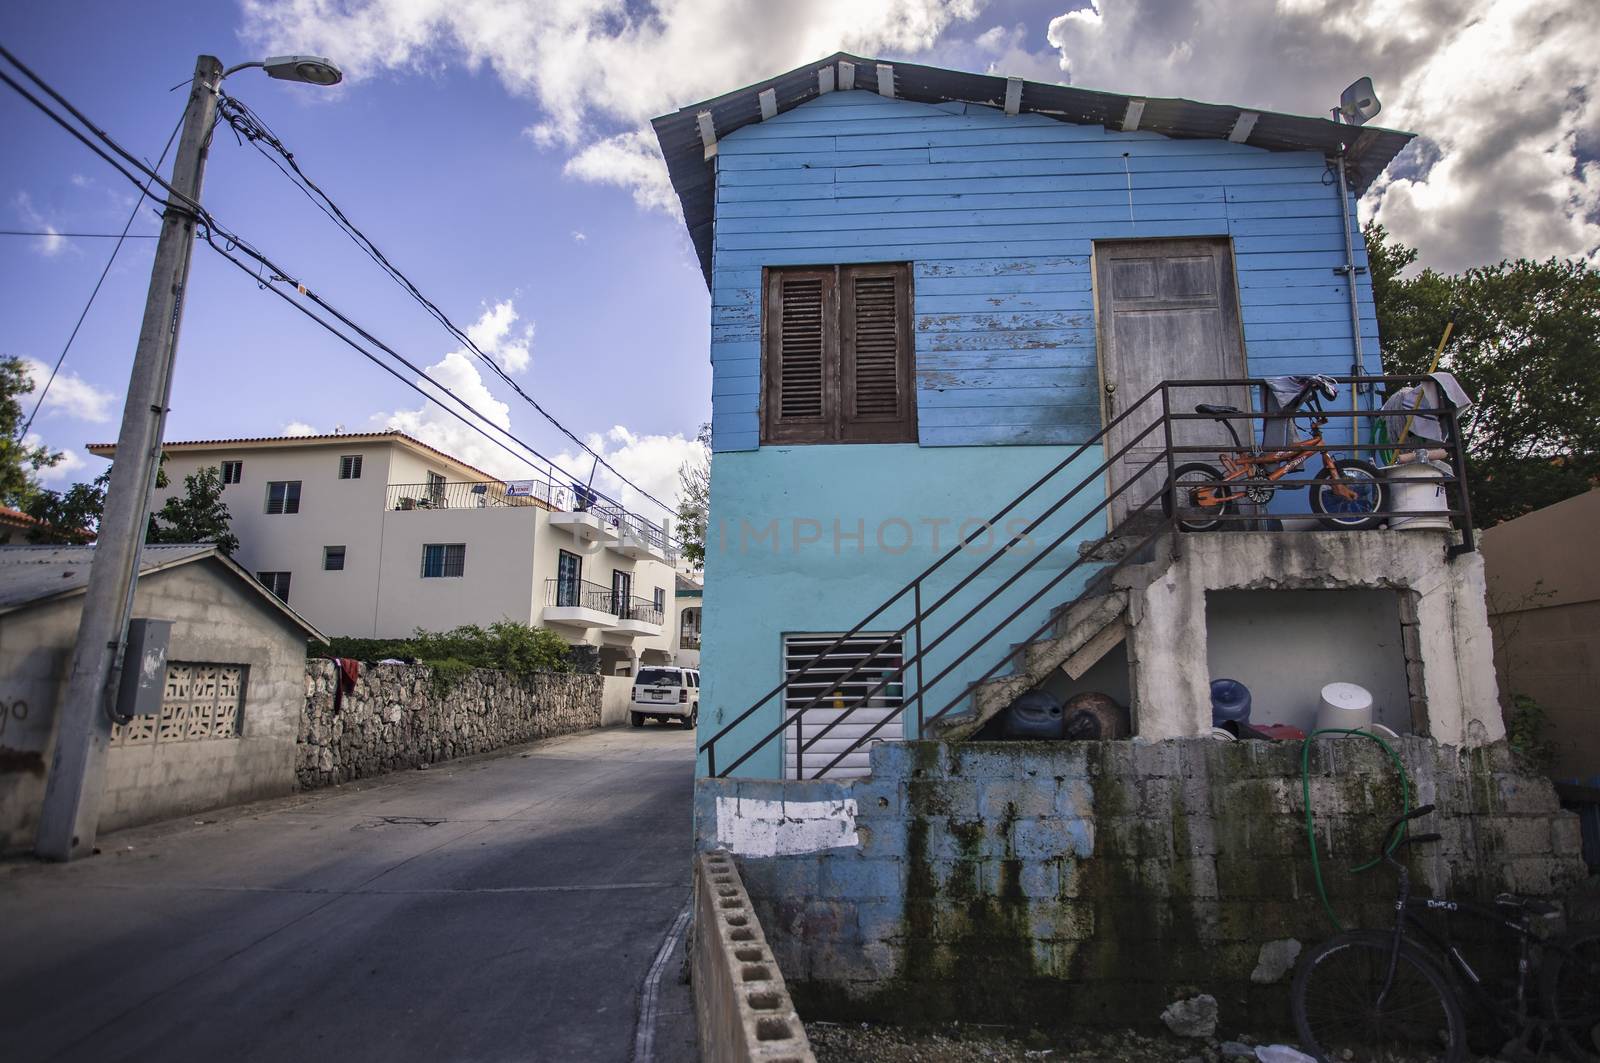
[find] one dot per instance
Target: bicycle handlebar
(1388, 845)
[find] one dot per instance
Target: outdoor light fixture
(309, 69)
(1358, 104)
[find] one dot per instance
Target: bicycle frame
(1252, 464)
(1511, 1016)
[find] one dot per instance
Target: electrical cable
(213, 228)
(252, 128)
(132, 216)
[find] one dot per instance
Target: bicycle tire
(1211, 473)
(1322, 991)
(1357, 519)
(1565, 984)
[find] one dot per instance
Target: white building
(377, 534)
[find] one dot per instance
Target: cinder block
(1566, 835)
(1075, 798)
(858, 879)
(882, 838)
(1040, 879)
(1002, 799)
(881, 920)
(941, 797)
(1524, 795)
(1155, 759)
(1049, 838)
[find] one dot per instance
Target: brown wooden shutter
(800, 354)
(876, 360)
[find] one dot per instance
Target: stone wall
(1053, 883)
(399, 716)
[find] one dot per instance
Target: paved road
(504, 907)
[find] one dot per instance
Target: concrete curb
(741, 1003)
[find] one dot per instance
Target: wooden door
(1168, 310)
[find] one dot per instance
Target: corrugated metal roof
(1368, 149)
(32, 574)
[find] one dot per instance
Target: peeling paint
(755, 827)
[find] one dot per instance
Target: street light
(70, 813)
(310, 69)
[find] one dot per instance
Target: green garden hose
(1311, 832)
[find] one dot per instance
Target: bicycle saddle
(1214, 410)
(1526, 904)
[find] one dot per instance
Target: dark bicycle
(1398, 993)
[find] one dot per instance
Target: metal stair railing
(914, 590)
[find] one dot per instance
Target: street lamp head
(311, 69)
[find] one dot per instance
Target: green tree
(1526, 347)
(69, 516)
(198, 515)
(19, 462)
(694, 500)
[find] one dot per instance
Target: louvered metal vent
(802, 652)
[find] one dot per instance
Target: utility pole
(71, 811)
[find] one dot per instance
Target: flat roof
(107, 450)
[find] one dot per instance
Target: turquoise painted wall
(764, 585)
(998, 216)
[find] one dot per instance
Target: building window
(200, 701)
(333, 559)
(661, 600)
(232, 472)
(283, 496)
(276, 582)
(350, 467)
(836, 355)
(621, 593)
(444, 560)
(436, 490)
(569, 579)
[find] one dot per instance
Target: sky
(499, 153)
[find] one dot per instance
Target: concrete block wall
(399, 716)
(1045, 883)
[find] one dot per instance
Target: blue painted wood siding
(999, 215)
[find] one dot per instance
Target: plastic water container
(1415, 488)
(1230, 700)
(1345, 705)
(1036, 714)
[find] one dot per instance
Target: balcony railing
(640, 609)
(516, 494)
(578, 594)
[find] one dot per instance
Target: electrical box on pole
(144, 668)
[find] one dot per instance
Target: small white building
(378, 534)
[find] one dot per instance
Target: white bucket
(1344, 705)
(1415, 488)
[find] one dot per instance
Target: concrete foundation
(1056, 883)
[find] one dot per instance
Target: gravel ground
(988, 1044)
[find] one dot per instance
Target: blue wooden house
(929, 290)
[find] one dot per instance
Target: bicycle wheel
(1192, 515)
(1570, 993)
(1336, 1007)
(1369, 501)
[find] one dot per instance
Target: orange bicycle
(1347, 494)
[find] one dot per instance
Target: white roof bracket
(1013, 95)
(1130, 117)
(847, 75)
(1242, 126)
(768, 98)
(825, 80)
(708, 134)
(886, 80)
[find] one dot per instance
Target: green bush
(505, 646)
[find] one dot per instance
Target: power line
(273, 272)
(119, 237)
(134, 214)
(250, 126)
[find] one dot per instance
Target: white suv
(666, 693)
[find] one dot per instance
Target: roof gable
(688, 137)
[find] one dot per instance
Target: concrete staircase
(1083, 631)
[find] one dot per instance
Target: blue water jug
(1230, 700)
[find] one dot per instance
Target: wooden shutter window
(800, 355)
(875, 326)
(836, 358)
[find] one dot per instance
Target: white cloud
(69, 393)
(605, 63)
(496, 334)
(300, 428)
(64, 471)
(1504, 93)
(632, 161)
(578, 237)
(651, 461)
(49, 245)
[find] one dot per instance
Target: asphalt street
(504, 907)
